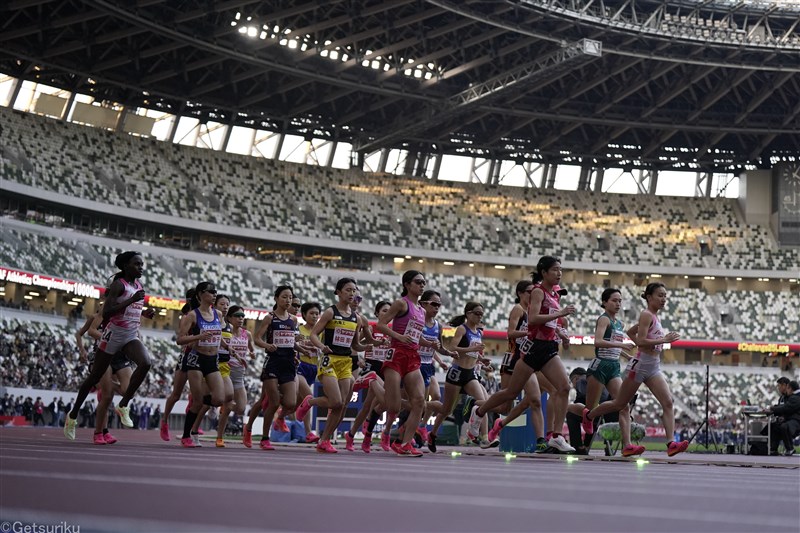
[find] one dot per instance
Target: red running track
(144, 484)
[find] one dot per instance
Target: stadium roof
(711, 85)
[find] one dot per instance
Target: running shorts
(459, 376)
(114, 339)
(308, 371)
(118, 362)
(224, 369)
(402, 360)
(642, 368)
(428, 372)
(237, 377)
(509, 362)
(337, 366)
(281, 368)
(373, 365)
(603, 370)
(539, 353)
(207, 364)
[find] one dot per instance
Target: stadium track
(144, 484)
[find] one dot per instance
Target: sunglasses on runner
(238, 315)
(435, 305)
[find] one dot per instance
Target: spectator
(38, 411)
(788, 414)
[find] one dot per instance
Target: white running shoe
(474, 429)
(124, 414)
(560, 445)
(196, 440)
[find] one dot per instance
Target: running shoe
(247, 438)
(303, 408)
(674, 448)
(366, 444)
(266, 445)
(406, 450)
(325, 446)
(586, 424)
(69, 427)
(109, 438)
(494, 433)
(363, 381)
(312, 438)
(560, 445)
(200, 431)
(790, 452)
(384, 442)
(432, 442)
(490, 443)
(98, 439)
(422, 431)
(196, 440)
(349, 441)
(164, 430)
(541, 446)
(188, 442)
(474, 424)
(630, 450)
(124, 414)
(280, 425)
(220, 443)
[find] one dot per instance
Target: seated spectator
(788, 414)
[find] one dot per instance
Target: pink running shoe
(280, 425)
(266, 445)
(385, 442)
(674, 448)
(200, 431)
(494, 433)
(109, 438)
(247, 438)
(325, 446)
(631, 449)
(312, 438)
(164, 430)
(366, 445)
(422, 431)
(187, 442)
(303, 408)
(348, 442)
(586, 424)
(363, 381)
(98, 439)
(406, 450)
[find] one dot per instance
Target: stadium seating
(689, 311)
(357, 207)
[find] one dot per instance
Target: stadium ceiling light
(738, 279)
(601, 273)
(33, 293)
(408, 257)
(500, 267)
(399, 260)
(448, 263)
(472, 264)
(709, 277)
(655, 275)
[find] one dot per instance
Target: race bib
(414, 330)
(133, 313)
(474, 355)
(617, 336)
(525, 347)
(454, 374)
(343, 337)
(594, 365)
(213, 340)
(632, 366)
(506, 359)
(283, 338)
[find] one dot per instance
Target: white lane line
(748, 517)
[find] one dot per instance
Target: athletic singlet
(612, 333)
(410, 324)
(340, 332)
(310, 359)
(550, 306)
(471, 338)
(654, 332)
(377, 353)
(224, 355)
(281, 333)
(430, 334)
(522, 325)
(131, 316)
(239, 348)
(214, 326)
